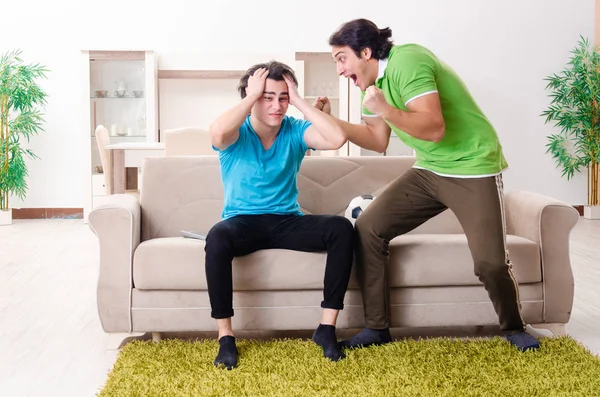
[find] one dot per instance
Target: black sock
(368, 337)
(523, 341)
(228, 353)
(324, 336)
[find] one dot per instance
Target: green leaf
(22, 101)
(574, 109)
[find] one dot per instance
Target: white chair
(187, 141)
(103, 140)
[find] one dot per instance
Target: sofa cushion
(420, 260)
(186, 192)
(416, 260)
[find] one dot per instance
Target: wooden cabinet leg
(131, 178)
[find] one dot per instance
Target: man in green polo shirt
(459, 166)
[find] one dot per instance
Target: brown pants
(412, 199)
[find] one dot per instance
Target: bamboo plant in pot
(575, 109)
(21, 104)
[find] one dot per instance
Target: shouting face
(362, 70)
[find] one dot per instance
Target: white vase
(6, 217)
(591, 211)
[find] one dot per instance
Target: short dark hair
(359, 34)
(276, 72)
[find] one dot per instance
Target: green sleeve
(413, 73)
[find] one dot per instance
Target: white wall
(503, 50)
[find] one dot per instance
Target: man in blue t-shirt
(260, 151)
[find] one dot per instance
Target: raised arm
(373, 135)
(325, 133)
(422, 120)
(224, 131)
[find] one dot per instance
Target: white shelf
(331, 98)
(200, 74)
(117, 97)
(125, 136)
(315, 57)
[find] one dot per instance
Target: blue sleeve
(235, 144)
(298, 128)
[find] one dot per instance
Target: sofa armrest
(117, 224)
(548, 222)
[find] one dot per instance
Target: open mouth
(354, 78)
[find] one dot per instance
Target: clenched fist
(374, 100)
(322, 103)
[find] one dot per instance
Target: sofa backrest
(186, 193)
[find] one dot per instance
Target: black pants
(244, 234)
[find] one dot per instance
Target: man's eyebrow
(338, 53)
(274, 93)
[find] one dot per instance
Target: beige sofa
(153, 280)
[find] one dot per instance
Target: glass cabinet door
(119, 92)
(117, 98)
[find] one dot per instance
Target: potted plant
(21, 102)
(575, 109)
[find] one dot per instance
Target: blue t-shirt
(259, 181)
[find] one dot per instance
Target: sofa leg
(156, 337)
(119, 339)
(556, 329)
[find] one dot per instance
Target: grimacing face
(358, 69)
(273, 105)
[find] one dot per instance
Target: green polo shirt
(470, 146)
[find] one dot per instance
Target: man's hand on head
(293, 95)
(256, 83)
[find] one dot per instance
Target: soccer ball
(357, 206)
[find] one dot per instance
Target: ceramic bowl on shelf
(121, 93)
(101, 93)
(138, 93)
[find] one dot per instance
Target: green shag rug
(296, 367)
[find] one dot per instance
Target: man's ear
(366, 53)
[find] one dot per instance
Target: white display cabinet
(119, 91)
